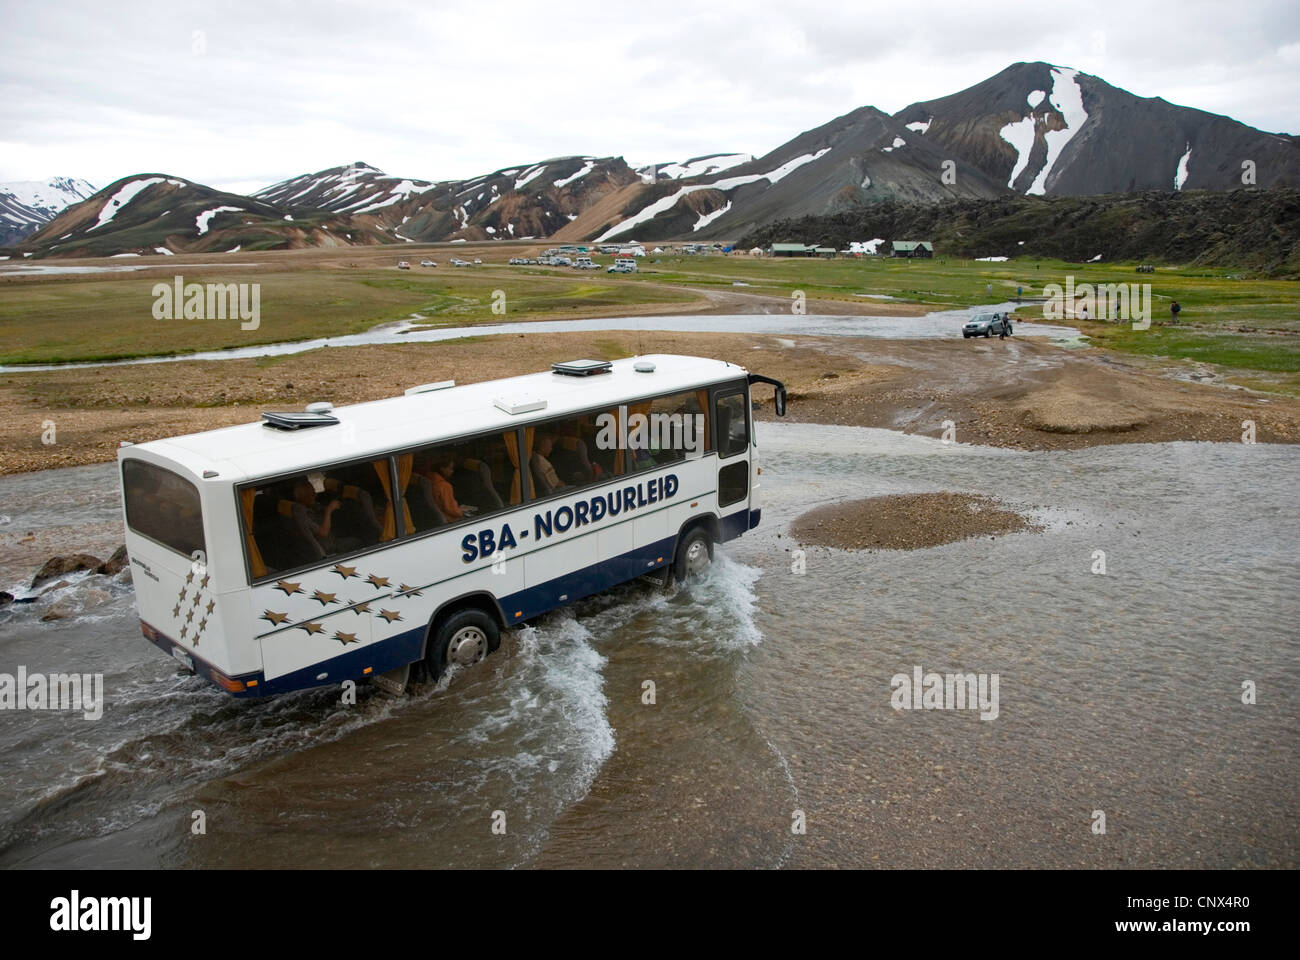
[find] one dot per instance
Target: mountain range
(1033, 129)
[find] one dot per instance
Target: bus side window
(733, 425)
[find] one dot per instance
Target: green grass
(1224, 321)
(64, 320)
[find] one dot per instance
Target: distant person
(1082, 310)
(1174, 309)
(1002, 326)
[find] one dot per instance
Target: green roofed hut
(793, 250)
(913, 248)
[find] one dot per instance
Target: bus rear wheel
(463, 639)
(694, 554)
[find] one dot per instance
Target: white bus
(359, 542)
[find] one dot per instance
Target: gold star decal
(189, 577)
(197, 598)
(311, 628)
(343, 571)
(377, 582)
(212, 605)
(346, 638)
(204, 581)
(275, 618)
(203, 624)
(181, 596)
(361, 608)
(411, 591)
(390, 615)
(289, 588)
(189, 617)
(176, 610)
(183, 629)
(324, 598)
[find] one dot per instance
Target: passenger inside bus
(544, 475)
(319, 512)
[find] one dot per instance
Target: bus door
(732, 434)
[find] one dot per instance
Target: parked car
(458, 262)
(986, 324)
(584, 263)
(477, 260)
(427, 263)
(403, 265)
(622, 266)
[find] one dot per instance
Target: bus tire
(463, 638)
(694, 554)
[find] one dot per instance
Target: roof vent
(430, 387)
(515, 405)
(292, 420)
(582, 368)
(644, 366)
(320, 406)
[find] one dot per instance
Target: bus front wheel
(694, 553)
(463, 639)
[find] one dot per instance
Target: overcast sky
(240, 95)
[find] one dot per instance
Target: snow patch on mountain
(702, 166)
(530, 174)
(1021, 136)
(124, 196)
(1180, 175)
(652, 210)
(1035, 97)
(589, 166)
(920, 126)
(1067, 97)
(708, 218)
(204, 218)
(898, 142)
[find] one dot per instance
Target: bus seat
(570, 460)
(424, 511)
(300, 544)
(472, 483)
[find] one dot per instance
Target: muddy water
(1118, 692)
(940, 324)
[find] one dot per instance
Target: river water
(939, 324)
(1119, 693)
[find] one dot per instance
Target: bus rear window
(163, 507)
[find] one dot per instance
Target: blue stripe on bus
(397, 651)
(734, 525)
(404, 648)
(544, 597)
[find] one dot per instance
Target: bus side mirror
(780, 401)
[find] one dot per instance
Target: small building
(793, 250)
(825, 252)
(913, 248)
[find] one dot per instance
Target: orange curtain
(254, 555)
(702, 398)
(404, 463)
